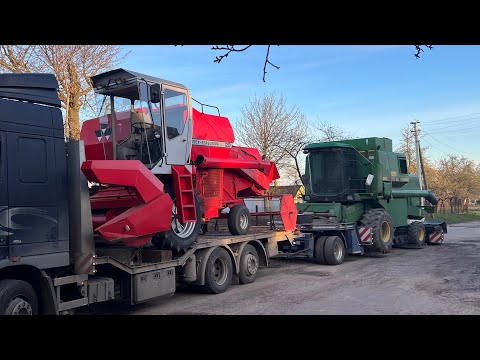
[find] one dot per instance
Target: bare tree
(73, 65)
(407, 146)
(330, 132)
(278, 131)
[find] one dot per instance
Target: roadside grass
(457, 218)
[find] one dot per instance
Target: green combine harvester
(359, 197)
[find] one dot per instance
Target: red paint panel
(100, 147)
(135, 227)
(212, 127)
(288, 212)
(126, 173)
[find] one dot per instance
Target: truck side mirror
(369, 179)
(155, 93)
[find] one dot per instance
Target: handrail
(202, 104)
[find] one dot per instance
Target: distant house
(295, 190)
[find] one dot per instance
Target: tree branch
(419, 49)
(267, 61)
(229, 49)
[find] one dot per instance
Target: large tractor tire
(17, 297)
(382, 229)
(239, 220)
(181, 236)
(417, 234)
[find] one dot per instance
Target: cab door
(178, 125)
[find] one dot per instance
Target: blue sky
(368, 90)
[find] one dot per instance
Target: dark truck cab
(33, 177)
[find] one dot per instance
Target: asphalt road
(434, 280)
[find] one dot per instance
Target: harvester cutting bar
(132, 196)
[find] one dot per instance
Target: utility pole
(417, 150)
(419, 160)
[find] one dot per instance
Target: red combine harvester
(162, 168)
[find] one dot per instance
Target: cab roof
(328, 144)
(123, 75)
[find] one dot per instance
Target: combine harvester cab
(160, 168)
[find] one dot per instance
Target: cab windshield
(137, 122)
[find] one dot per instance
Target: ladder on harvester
(184, 193)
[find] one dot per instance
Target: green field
(457, 218)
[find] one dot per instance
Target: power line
(449, 118)
(455, 130)
(429, 143)
(443, 143)
(465, 122)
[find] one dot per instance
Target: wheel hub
(385, 232)
(338, 251)
(421, 234)
(251, 264)
(243, 221)
(219, 270)
(22, 308)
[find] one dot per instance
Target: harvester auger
(148, 141)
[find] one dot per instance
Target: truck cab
(34, 233)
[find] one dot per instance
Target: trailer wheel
(416, 234)
(218, 272)
(17, 297)
(239, 220)
(382, 229)
(249, 263)
(181, 236)
(334, 250)
(318, 251)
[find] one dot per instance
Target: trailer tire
(382, 229)
(249, 263)
(218, 272)
(334, 250)
(318, 251)
(416, 234)
(239, 220)
(17, 297)
(176, 241)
